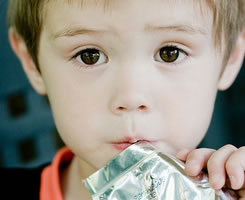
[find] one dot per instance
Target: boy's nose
(132, 90)
(129, 103)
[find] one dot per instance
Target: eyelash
(174, 63)
(90, 66)
(84, 65)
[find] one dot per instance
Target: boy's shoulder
(20, 183)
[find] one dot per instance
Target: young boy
(119, 72)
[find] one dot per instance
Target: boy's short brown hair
(26, 16)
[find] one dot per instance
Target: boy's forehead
(108, 3)
(159, 12)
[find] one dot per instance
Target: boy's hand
(225, 166)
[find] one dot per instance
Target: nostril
(121, 108)
(142, 107)
(124, 108)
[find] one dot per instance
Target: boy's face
(154, 74)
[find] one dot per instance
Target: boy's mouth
(125, 143)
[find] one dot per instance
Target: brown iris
(169, 54)
(90, 56)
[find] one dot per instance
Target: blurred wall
(27, 133)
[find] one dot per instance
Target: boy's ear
(234, 63)
(19, 47)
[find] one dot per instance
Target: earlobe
(20, 49)
(234, 64)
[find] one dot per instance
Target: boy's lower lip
(122, 145)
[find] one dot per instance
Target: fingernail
(179, 154)
(234, 182)
(182, 153)
(192, 167)
(215, 181)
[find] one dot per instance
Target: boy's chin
(165, 147)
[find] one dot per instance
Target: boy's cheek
(186, 112)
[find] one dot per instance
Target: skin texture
(131, 94)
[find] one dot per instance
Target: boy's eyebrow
(73, 31)
(177, 28)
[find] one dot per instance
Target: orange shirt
(50, 188)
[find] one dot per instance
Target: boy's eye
(91, 57)
(170, 54)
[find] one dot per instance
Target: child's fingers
(235, 167)
(182, 154)
(217, 166)
(197, 160)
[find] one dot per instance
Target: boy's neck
(71, 182)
